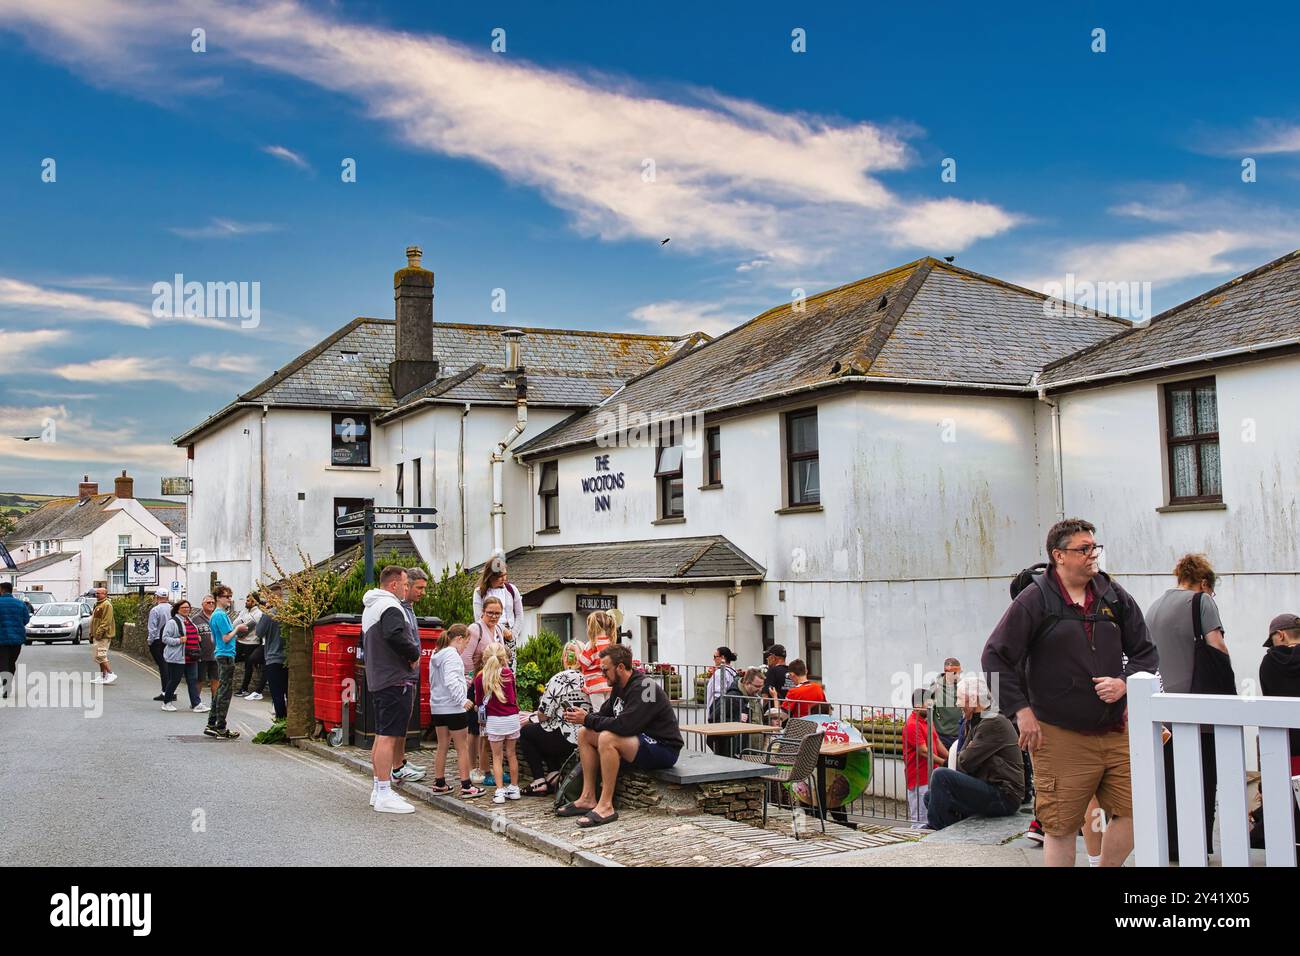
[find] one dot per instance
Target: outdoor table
(833, 755)
(729, 728)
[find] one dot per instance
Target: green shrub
(538, 660)
(275, 734)
(130, 607)
(450, 598)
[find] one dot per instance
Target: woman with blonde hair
(602, 631)
(545, 737)
(494, 691)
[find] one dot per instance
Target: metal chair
(802, 768)
(781, 748)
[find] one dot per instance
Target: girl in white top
(449, 707)
(493, 582)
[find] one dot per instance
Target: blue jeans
(955, 796)
(190, 674)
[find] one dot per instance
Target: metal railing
(1229, 716)
(884, 799)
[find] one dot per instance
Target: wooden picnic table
(730, 728)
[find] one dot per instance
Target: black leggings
(9, 663)
(256, 659)
(543, 749)
(278, 677)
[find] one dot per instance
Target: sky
(547, 150)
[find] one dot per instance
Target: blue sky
(524, 170)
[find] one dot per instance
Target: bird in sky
(949, 258)
(665, 242)
(25, 437)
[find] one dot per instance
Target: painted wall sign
(596, 602)
(603, 481)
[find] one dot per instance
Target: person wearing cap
(777, 680)
(1170, 619)
(1279, 676)
(159, 615)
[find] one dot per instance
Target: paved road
(121, 788)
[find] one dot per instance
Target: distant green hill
(20, 502)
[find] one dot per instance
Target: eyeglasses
(1086, 549)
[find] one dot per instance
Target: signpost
(362, 524)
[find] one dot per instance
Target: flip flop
(594, 819)
(569, 810)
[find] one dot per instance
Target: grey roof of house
(564, 367)
(173, 516)
(36, 564)
(927, 323)
(1258, 310)
(711, 559)
(62, 518)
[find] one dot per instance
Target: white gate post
(1147, 767)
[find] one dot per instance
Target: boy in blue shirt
(223, 640)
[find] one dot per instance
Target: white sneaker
(110, 678)
(392, 803)
(253, 696)
(373, 791)
(169, 707)
(97, 680)
(512, 792)
(200, 708)
(408, 773)
(499, 796)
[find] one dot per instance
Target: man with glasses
(1062, 654)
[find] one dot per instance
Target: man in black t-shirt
(778, 680)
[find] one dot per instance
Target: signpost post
(362, 524)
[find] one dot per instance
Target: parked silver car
(59, 622)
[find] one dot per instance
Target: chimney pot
(513, 339)
(413, 256)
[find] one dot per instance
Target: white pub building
(856, 476)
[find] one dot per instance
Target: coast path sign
(362, 524)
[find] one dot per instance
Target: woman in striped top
(602, 631)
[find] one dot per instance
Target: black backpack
(569, 785)
(1055, 605)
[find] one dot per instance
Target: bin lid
(339, 619)
(429, 621)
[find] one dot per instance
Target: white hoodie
(385, 665)
(448, 689)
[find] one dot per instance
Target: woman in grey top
(1170, 621)
(176, 634)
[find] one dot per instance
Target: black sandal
(570, 810)
(594, 819)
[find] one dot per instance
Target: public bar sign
(596, 602)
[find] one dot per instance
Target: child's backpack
(569, 786)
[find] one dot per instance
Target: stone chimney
(124, 486)
(87, 488)
(414, 364)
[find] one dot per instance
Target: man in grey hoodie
(391, 658)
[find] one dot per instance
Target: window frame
(649, 625)
(401, 484)
(165, 545)
(549, 498)
(121, 547)
(416, 479)
(565, 633)
(766, 632)
(713, 456)
(811, 644)
(337, 444)
(666, 480)
(793, 458)
(1195, 440)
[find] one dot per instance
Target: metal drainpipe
(732, 593)
(460, 465)
(498, 460)
(1056, 453)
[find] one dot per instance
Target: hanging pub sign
(596, 602)
(140, 568)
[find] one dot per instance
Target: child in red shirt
(919, 741)
(800, 698)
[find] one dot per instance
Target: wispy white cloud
(288, 155)
(29, 297)
(674, 317)
(224, 229)
(80, 438)
(114, 370)
(1266, 137)
(235, 364)
(21, 343)
(713, 172)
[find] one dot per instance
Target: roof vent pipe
(513, 346)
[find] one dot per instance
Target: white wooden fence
(1274, 716)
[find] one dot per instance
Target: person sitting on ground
(922, 750)
(545, 737)
(637, 726)
(990, 777)
(722, 677)
(449, 710)
(804, 689)
(742, 703)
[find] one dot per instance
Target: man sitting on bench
(636, 726)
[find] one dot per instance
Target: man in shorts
(416, 581)
(1075, 636)
(102, 628)
(392, 659)
(636, 727)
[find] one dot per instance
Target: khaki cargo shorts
(101, 649)
(1070, 768)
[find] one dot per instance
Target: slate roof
(173, 516)
(711, 559)
(37, 564)
(926, 323)
(62, 518)
(1260, 309)
(349, 369)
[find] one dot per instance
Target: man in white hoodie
(392, 679)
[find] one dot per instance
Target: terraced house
(856, 476)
